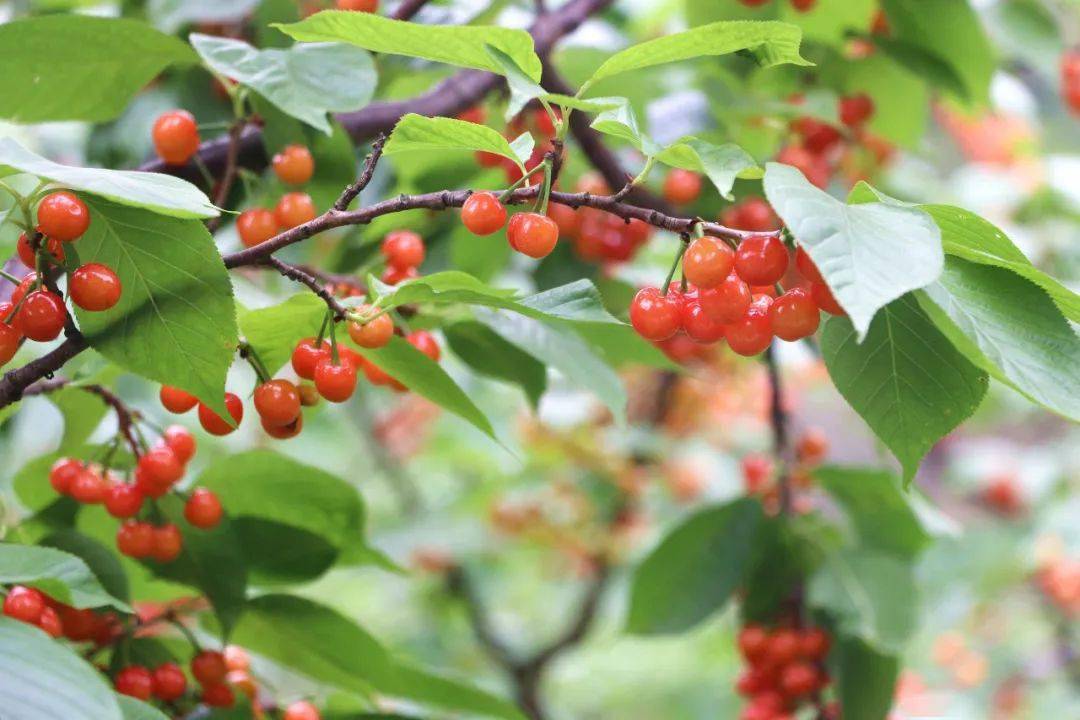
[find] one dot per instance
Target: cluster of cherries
(529, 233)
(1070, 79)
(785, 670)
(34, 312)
(403, 251)
(759, 470)
(294, 165)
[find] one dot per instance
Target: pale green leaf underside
(433, 134)
(720, 163)
(60, 574)
(132, 709)
(170, 15)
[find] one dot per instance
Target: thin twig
(293, 272)
(232, 154)
(350, 193)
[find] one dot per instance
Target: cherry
(301, 710)
(532, 234)
(403, 249)
(794, 315)
(426, 343)
(294, 165)
(214, 423)
(483, 214)
(814, 644)
(825, 300)
(728, 301)
(256, 226)
(854, 111)
(375, 332)
(797, 679)
(176, 400)
(241, 680)
(698, 325)
(63, 474)
(175, 136)
(284, 432)
(203, 509)
(761, 259)
(682, 187)
(708, 262)
(209, 667)
(181, 441)
(26, 253)
(79, 625)
(10, 337)
(168, 542)
(159, 467)
(359, 6)
(135, 539)
(295, 208)
(392, 275)
(783, 646)
(277, 402)
(220, 694)
(306, 355)
(818, 137)
(25, 604)
(236, 658)
(803, 5)
(62, 216)
(170, 683)
(655, 316)
(41, 316)
(756, 471)
(567, 219)
(88, 487)
(753, 215)
(476, 115)
(135, 681)
(94, 287)
(123, 500)
(806, 267)
(814, 167)
(50, 623)
(335, 381)
(753, 642)
(27, 284)
(752, 333)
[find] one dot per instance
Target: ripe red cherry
(757, 470)
(655, 316)
(26, 253)
(123, 500)
(426, 343)
(214, 423)
(483, 214)
(373, 334)
(135, 539)
(335, 381)
(752, 333)
(277, 402)
(94, 287)
(25, 286)
(284, 432)
(181, 441)
(218, 695)
(168, 542)
(209, 667)
(752, 214)
(803, 5)
(357, 5)
(203, 509)
(751, 681)
(761, 259)
(306, 355)
(10, 337)
(50, 623)
(135, 681)
(753, 642)
(301, 710)
(160, 466)
(62, 216)
(794, 315)
(294, 165)
(568, 219)
(170, 683)
(392, 275)
(532, 234)
(855, 109)
(825, 300)
(256, 226)
(814, 167)
(295, 208)
(698, 325)
(728, 301)
(797, 679)
(25, 604)
(783, 646)
(175, 136)
(814, 644)
(403, 249)
(176, 400)
(41, 316)
(63, 474)
(708, 262)
(806, 267)
(88, 487)
(682, 187)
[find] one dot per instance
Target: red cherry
(88, 487)
(817, 137)
(357, 6)
(794, 315)
(170, 683)
(221, 695)
(855, 110)
(698, 325)
(62, 216)
(176, 400)
(753, 214)
(374, 333)
(284, 432)
(277, 402)
(814, 644)
(806, 267)
(751, 682)
(168, 542)
(335, 381)
(160, 466)
(181, 441)
(123, 500)
(567, 219)
(476, 114)
(256, 226)
(798, 679)
(403, 249)
(761, 259)
(814, 167)
(532, 234)
(295, 208)
(728, 301)
(708, 262)
(783, 647)
(175, 136)
(307, 355)
(803, 5)
(26, 253)
(25, 286)
(203, 509)
(63, 474)
(50, 623)
(426, 343)
(752, 333)
(392, 275)
(483, 214)
(757, 470)
(94, 287)
(753, 642)
(682, 187)
(214, 423)
(824, 299)
(209, 667)
(41, 316)
(25, 604)
(655, 316)
(294, 165)
(135, 681)
(135, 539)
(302, 709)
(10, 337)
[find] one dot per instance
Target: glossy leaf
(722, 164)
(415, 133)
(274, 331)
(101, 560)
(865, 679)
(486, 352)
(62, 575)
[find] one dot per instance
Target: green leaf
(871, 595)
(620, 346)
(828, 21)
(274, 331)
(463, 46)
(695, 570)
(877, 509)
(620, 121)
(1010, 328)
(901, 97)
(159, 192)
(41, 679)
(926, 65)
(328, 647)
(304, 81)
(434, 134)
(424, 376)
(132, 709)
(909, 384)
(869, 254)
(865, 679)
(770, 43)
(82, 412)
(62, 575)
(292, 520)
(720, 163)
(175, 322)
(486, 352)
(101, 560)
(79, 67)
(170, 15)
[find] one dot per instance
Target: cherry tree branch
(125, 416)
(407, 9)
(228, 176)
(350, 193)
(294, 272)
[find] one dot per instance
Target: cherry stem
(518, 183)
(248, 353)
(334, 356)
(186, 632)
(674, 266)
(9, 277)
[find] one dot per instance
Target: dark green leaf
(274, 331)
(102, 561)
(62, 575)
(865, 679)
(132, 709)
(489, 354)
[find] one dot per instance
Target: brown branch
(583, 618)
(407, 9)
(350, 193)
(297, 274)
(778, 420)
(460, 586)
(232, 153)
